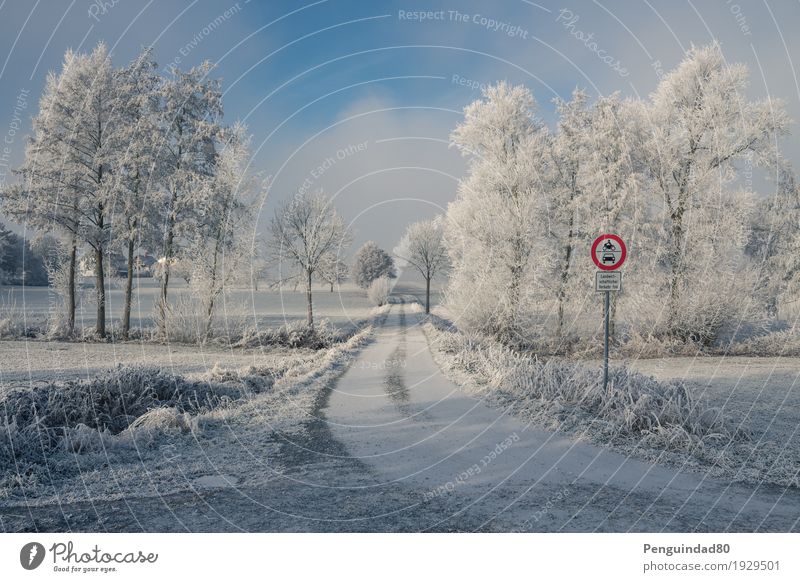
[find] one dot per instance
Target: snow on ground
(395, 411)
(763, 391)
(755, 396)
(394, 447)
(26, 361)
(23, 362)
(270, 307)
(237, 442)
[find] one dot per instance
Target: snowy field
(269, 307)
(762, 392)
(24, 361)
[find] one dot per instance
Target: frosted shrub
(296, 334)
(79, 416)
(379, 290)
(12, 320)
(162, 418)
(184, 322)
(559, 393)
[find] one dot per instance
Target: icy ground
(396, 446)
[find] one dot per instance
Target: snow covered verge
(227, 333)
(768, 338)
(758, 341)
(658, 421)
(142, 431)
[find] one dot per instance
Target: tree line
(127, 158)
(671, 174)
(23, 262)
(123, 159)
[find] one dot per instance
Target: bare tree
(334, 271)
(422, 247)
(306, 233)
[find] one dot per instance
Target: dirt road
(396, 412)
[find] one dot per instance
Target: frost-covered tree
(610, 184)
(334, 271)
(137, 166)
(220, 249)
(259, 255)
(5, 249)
(699, 124)
(20, 261)
(494, 226)
(422, 247)
(54, 255)
(45, 196)
(191, 113)
(371, 262)
(89, 112)
(306, 232)
(66, 178)
(775, 242)
(569, 152)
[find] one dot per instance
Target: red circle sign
(609, 252)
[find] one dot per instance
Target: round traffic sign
(609, 252)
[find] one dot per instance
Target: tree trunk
(100, 287)
(126, 309)
(331, 286)
(73, 259)
(209, 316)
(310, 312)
(427, 294)
(162, 301)
(676, 270)
(168, 242)
(507, 325)
(212, 291)
(564, 275)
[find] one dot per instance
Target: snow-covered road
(395, 411)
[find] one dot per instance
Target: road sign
(609, 252)
(607, 281)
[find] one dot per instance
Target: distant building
(116, 264)
(145, 265)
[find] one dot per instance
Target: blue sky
(358, 97)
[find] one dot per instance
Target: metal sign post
(608, 253)
(605, 343)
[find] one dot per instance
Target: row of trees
(22, 262)
(666, 173)
(125, 158)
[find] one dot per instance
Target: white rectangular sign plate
(607, 281)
